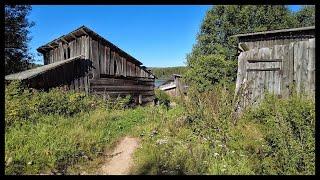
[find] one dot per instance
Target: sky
(158, 36)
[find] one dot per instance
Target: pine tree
(17, 27)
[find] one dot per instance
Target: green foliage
(221, 22)
(288, 129)
(306, 16)
(208, 70)
(162, 97)
(16, 38)
(53, 131)
(166, 72)
(22, 104)
(277, 137)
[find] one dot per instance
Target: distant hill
(166, 72)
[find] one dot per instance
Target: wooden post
(140, 99)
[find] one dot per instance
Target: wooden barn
(277, 61)
(84, 61)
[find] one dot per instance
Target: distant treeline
(166, 72)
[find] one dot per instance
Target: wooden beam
(84, 31)
(64, 40)
(263, 60)
(73, 35)
(266, 69)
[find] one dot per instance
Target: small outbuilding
(174, 86)
(277, 61)
(84, 61)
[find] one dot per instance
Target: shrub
(162, 97)
(288, 135)
(275, 137)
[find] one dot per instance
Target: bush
(25, 104)
(276, 137)
(287, 144)
(162, 97)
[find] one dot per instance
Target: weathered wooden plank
(144, 93)
(90, 57)
(240, 73)
(297, 65)
(121, 82)
(277, 75)
(263, 60)
(102, 59)
(122, 88)
(291, 66)
(124, 65)
(304, 66)
(311, 67)
(61, 51)
(119, 64)
(271, 73)
(285, 69)
(129, 68)
(112, 63)
(95, 59)
(252, 77)
(107, 60)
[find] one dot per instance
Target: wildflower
(215, 154)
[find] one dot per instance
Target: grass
(197, 136)
(276, 137)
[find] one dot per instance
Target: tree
(306, 16)
(17, 57)
(223, 21)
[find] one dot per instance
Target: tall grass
(49, 132)
(276, 137)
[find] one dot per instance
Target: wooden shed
(174, 86)
(84, 61)
(277, 61)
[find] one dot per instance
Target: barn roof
(39, 70)
(83, 30)
(274, 32)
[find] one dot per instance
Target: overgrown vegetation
(162, 98)
(277, 137)
(48, 132)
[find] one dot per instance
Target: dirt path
(121, 160)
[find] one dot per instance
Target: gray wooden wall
(274, 66)
(110, 73)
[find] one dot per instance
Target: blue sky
(158, 36)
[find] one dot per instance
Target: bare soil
(120, 161)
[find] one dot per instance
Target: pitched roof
(83, 30)
(275, 31)
(39, 70)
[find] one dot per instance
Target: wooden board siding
(275, 68)
(111, 63)
(106, 62)
(107, 56)
(114, 87)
